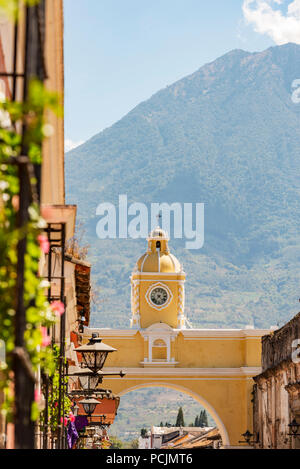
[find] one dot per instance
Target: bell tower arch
(157, 286)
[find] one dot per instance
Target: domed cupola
(157, 285)
(158, 257)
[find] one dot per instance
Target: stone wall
(276, 397)
(277, 347)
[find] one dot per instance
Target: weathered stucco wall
(277, 347)
(277, 389)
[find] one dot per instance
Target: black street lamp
(249, 438)
(89, 405)
(94, 353)
(294, 427)
(87, 379)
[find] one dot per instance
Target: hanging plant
(11, 8)
(40, 316)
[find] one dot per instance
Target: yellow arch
(197, 397)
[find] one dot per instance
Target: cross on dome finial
(159, 217)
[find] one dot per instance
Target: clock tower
(157, 286)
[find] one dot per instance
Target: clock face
(159, 296)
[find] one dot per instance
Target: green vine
(54, 395)
(39, 314)
(11, 8)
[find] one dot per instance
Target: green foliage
(204, 419)
(116, 443)
(134, 444)
(39, 315)
(201, 420)
(180, 418)
(11, 8)
(53, 407)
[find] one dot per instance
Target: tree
(180, 418)
(134, 444)
(115, 443)
(144, 432)
(201, 420)
(204, 419)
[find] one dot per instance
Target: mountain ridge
(215, 136)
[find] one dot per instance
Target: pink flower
(37, 395)
(46, 340)
(44, 243)
(71, 417)
(58, 308)
(55, 404)
(64, 421)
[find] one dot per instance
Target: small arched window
(159, 343)
(159, 350)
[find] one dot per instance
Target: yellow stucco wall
(204, 352)
(150, 315)
(216, 368)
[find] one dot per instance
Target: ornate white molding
(155, 274)
(148, 296)
(189, 334)
(159, 331)
(194, 334)
(241, 372)
(158, 364)
(159, 280)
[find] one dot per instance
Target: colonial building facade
(277, 389)
(215, 366)
(39, 31)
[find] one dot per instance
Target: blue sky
(118, 53)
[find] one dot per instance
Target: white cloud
(70, 144)
(267, 19)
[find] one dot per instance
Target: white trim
(146, 257)
(189, 339)
(159, 280)
(136, 281)
(173, 274)
(184, 378)
(167, 364)
(148, 296)
(159, 331)
(223, 333)
(197, 373)
(189, 334)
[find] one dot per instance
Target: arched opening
(159, 350)
(124, 413)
